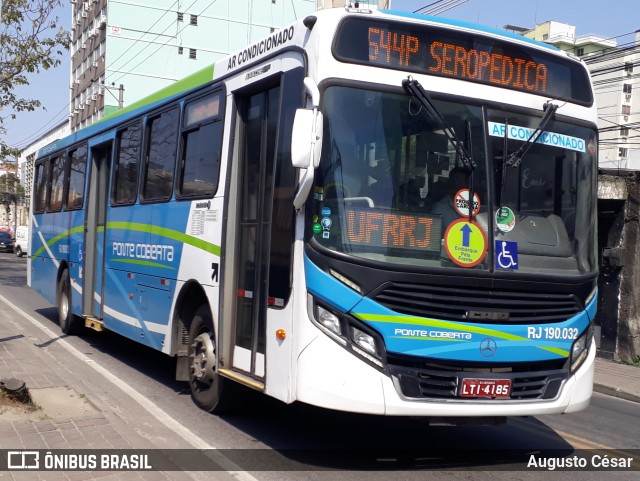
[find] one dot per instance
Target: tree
(11, 184)
(31, 40)
(11, 192)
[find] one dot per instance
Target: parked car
(6, 242)
(21, 240)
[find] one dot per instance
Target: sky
(606, 19)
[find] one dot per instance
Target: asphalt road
(323, 442)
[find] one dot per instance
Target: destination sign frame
(462, 55)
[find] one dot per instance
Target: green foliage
(11, 183)
(31, 40)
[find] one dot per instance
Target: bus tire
(68, 322)
(209, 391)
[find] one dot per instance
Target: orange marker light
(281, 334)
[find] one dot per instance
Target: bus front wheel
(209, 390)
(68, 322)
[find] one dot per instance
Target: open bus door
(95, 233)
(260, 233)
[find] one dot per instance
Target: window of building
(193, 20)
(622, 153)
(161, 155)
(125, 184)
(628, 67)
(57, 184)
(545, 37)
(77, 171)
(580, 51)
(192, 53)
(624, 131)
(626, 109)
(201, 145)
(626, 88)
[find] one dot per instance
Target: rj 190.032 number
(562, 333)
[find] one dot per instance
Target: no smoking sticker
(461, 203)
(465, 243)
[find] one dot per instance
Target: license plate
(489, 388)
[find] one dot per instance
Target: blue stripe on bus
(328, 288)
(453, 340)
(473, 26)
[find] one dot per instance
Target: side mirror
(305, 150)
(301, 150)
(306, 142)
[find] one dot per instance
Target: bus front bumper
(331, 377)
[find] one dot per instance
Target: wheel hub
(64, 306)
(204, 358)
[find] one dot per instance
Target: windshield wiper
(413, 88)
(515, 158)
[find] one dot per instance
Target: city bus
(368, 211)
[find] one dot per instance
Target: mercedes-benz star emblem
(488, 347)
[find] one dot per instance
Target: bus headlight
(350, 333)
(580, 348)
(328, 320)
(364, 340)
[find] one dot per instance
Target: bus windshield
(391, 187)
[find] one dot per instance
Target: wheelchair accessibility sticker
(506, 254)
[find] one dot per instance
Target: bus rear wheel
(209, 391)
(69, 323)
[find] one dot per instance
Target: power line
(439, 7)
(32, 137)
(139, 39)
(150, 42)
(164, 44)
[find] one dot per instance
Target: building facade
(25, 167)
(123, 51)
(614, 71)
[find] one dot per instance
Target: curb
(615, 392)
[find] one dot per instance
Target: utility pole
(121, 96)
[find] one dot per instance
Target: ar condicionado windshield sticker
(551, 139)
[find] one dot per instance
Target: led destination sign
(384, 229)
(461, 55)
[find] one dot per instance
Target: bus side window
(57, 184)
(75, 178)
(160, 156)
(201, 146)
(40, 187)
(125, 184)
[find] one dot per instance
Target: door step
(243, 379)
(94, 323)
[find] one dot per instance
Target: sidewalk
(618, 380)
(79, 408)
